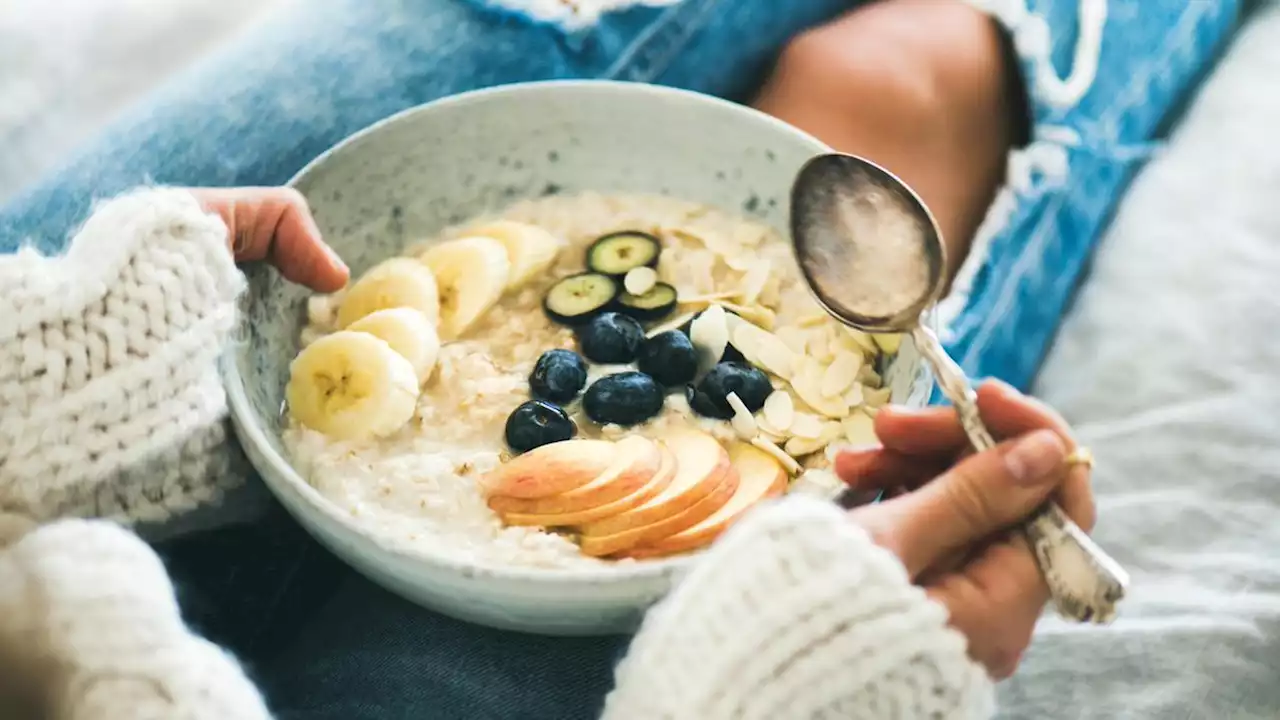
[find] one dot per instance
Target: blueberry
(669, 358)
(709, 396)
(558, 376)
(537, 423)
(625, 398)
(611, 338)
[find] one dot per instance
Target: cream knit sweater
(110, 407)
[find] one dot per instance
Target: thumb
(979, 496)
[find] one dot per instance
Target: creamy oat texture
(420, 483)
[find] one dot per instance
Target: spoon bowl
(867, 245)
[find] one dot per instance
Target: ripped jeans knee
(1103, 78)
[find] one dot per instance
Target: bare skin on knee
(917, 86)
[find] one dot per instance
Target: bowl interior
(409, 176)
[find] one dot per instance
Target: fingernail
(1036, 457)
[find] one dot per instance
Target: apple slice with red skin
(700, 464)
(636, 461)
(656, 484)
(603, 545)
(760, 477)
(552, 469)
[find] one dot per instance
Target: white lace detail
(1033, 40)
(1044, 160)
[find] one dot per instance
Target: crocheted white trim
(795, 613)
(110, 402)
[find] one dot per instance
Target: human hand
(275, 225)
(951, 514)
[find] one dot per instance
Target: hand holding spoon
(873, 258)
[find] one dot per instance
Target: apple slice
(656, 484)
(551, 469)
(636, 459)
(603, 545)
(760, 477)
(700, 463)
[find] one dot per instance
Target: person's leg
(318, 70)
(917, 86)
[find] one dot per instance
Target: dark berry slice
(611, 338)
(669, 358)
(558, 376)
(625, 398)
(578, 298)
(709, 397)
(616, 253)
(653, 305)
(537, 423)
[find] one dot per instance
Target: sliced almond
(774, 432)
(743, 422)
(807, 384)
(800, 446)
(675, 324)
(794, 336)
(818, 483)
(888, 342)
(764, 349)
(853, 395)
(709, 334)
(876, 397)
(639, 281)
(805, 425)
(867, 375)
(779, 409)
(707, 299)
(819, 348)
(813, 320)
(752, 283)
(779, 454)
(859, 430)
(871, 412)
(762, 316)
(841, 373)
(738, 261)
(862, 340)
(771, 294)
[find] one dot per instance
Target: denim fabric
(322, 641)
(1152, 54)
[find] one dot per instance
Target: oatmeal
(660, 355)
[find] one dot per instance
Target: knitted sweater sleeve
(110, 401)
(795, 613)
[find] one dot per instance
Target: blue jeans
(323, 642)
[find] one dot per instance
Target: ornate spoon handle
(1086, 583)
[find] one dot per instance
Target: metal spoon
(873, 257)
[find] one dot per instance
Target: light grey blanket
(1170, 370)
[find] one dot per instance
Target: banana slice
(398, 282)
(530, 249)
(408, 332)
(472, 273)
(351, 385)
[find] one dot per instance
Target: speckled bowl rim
(251, 431)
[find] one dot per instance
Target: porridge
(580, 380)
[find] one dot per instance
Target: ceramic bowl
(412, 174)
